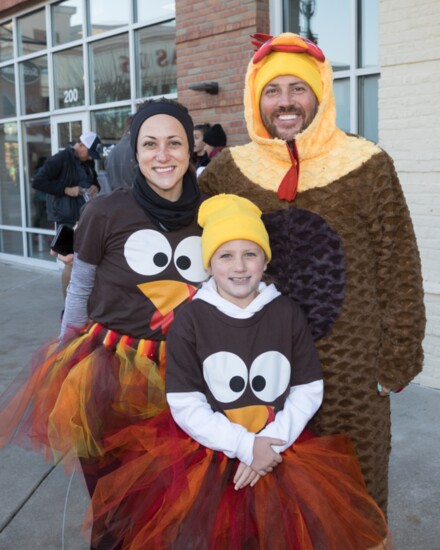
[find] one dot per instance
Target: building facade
(73, 65)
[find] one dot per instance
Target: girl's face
(163, 155)
(237, 267)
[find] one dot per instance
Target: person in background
(343, 242)
(215, 141)
(200, 156)
(137, 259)
(69, 178)
(120, 164)
(243, 380)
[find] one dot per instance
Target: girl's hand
(265, 458)
(244, 476)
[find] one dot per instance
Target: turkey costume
(234, 372)
(343, 247)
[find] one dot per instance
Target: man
(342, 240)
(120, 164)
(69, 179)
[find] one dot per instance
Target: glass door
(43, 138)
(67, 129)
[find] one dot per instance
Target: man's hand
(76, 191)
(245, 476)
(265, 458)
(92, 190)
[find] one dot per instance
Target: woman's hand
(68, 259)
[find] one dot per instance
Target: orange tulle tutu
(169, 492)
(72, 397)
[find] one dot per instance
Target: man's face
(287, 107)
(82, 152)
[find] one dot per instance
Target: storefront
(67, 67)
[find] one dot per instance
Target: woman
(137, 259)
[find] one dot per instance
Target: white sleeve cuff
(300, 406)
(192, 412)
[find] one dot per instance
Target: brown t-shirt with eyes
(143, 273)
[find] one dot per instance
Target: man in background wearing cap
(69, 178)
(342, 241)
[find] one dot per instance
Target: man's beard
(291, 109)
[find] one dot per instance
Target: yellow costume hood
(325, 152)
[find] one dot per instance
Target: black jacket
(63, 170)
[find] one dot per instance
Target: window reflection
(34, 85)
(326, 23)
(341, 89)
(368, 101)
(156, 57)
(110, 125)
(9, 175)
(106, 15)
(369, 34)
(159, 9)
(67, 20)
(37, 148)
(6, 41)
(69, 78)
(8, 106)
(32, 35)
(110, 69)
(11, 242)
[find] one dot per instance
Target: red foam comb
(264, 44)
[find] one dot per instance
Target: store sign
(31, 72)
(8, 73)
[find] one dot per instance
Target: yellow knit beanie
(227, 218)
(277, 64)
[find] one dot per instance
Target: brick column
(213, 44)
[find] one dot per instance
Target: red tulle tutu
(169, 492)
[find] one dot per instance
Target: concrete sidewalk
(42, 508)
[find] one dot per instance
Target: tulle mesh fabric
(169, 492)
(75, 395)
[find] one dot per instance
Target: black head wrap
(162, 107)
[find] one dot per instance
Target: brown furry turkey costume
(343, 247)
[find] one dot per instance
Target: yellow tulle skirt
(75, 395)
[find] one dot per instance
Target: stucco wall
(409, 129)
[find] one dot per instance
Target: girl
(233, 467)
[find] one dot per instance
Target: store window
(110, 69)
(8, 105)
(347, 32)
(63, 64)
(68, 71)
(110, 125)
(32, 36)
(9, 175)
(34, 85)
(159, 9)
(67, 19)
(156, 60)
(106, 15)
(37, 147)
(6, 41)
